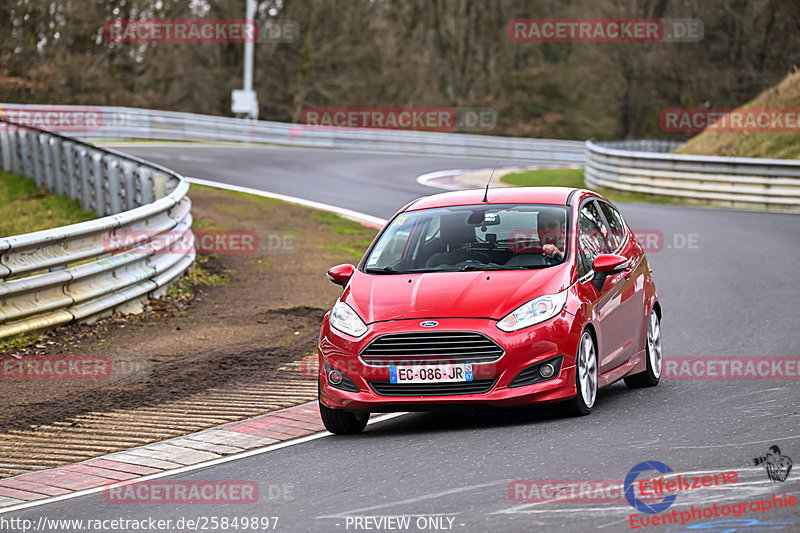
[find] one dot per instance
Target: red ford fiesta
(506, 298)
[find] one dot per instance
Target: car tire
(586, 377)
(652, 374)
(342, 422)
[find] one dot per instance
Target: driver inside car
(551, 234)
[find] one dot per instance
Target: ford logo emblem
(429, 324)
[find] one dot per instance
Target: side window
(616, 226)
(592, 234)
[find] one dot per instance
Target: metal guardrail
(56, 276)
(643, 166)
(79, 271)
(636, 166)
(134, 123)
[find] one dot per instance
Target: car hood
(490, 294)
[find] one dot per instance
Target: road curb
(196, 448)
(459, 179)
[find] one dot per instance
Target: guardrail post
(85, 175)
(160, 185)
(16, 156)
(129, 181)
(58, 160)
(112, 169)
(39, 164)
(48, 165)
(5, 148)
(97, 183)
(146, 186)
(26, 149)
(70, 177)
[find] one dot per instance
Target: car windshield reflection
(472, 238)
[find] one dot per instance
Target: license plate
(430, 373)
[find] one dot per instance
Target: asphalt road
(729, 287)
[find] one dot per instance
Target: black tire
(577, 406)
(648, 378)
(341, 422)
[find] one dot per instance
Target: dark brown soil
(245, 315)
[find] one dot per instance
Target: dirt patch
(241, 317)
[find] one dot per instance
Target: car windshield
(472, 237)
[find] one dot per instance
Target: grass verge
(770, 144)
(573, 177)
(24, 207)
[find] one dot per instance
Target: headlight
(533, 312)
(346, 320)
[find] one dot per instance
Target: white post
(248, 48)
(244, 102)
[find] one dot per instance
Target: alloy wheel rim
(587, 370)
(654, 344)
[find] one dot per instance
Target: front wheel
(652, 374)
(341, 422)
(585, 377)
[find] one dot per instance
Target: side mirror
(341, 274)
(606, 264)
(609, 263)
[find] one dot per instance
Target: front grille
(478, 386)
(440, 347)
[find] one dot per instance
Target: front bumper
(556, 337)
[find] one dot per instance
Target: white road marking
(426, 179)
(704, 446)
(347, 213)
(415, 499)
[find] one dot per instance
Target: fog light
(335, 377)
(547, 370)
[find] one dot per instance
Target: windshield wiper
(384, 270)
(467, 268)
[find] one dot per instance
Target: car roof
(501, 195)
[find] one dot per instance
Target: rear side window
(616, 226)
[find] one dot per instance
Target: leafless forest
(407, 53)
